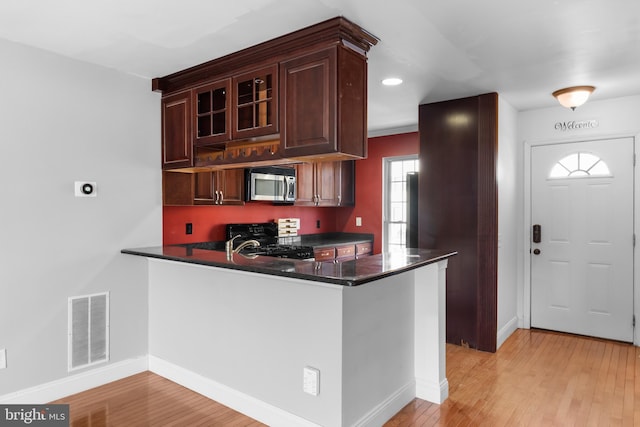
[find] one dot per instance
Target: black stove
(267, 234)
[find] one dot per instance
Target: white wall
(378, 344)
(248, 334)
(61, 121)
(616, 118)
(509, 214)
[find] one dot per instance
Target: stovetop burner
(267, 234)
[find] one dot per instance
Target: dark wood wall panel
(487, 222)
(458, 210)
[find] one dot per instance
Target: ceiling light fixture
(392, 81)
(572, 97)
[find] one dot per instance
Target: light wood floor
(536, 378)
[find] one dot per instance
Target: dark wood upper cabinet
(177, 149)
(302, 95)
(328, 184)
(255, 103)
(222, 187)
(212, 113)
(308, 103)
(230, 184)
(324, 104)
(305, 184)
(325, 183)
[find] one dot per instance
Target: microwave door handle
(284, 188)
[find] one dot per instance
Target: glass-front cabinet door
(256, 103)
(213, 113)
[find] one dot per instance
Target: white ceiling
(443, 49)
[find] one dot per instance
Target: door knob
(536, 251)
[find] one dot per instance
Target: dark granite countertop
(347, 273)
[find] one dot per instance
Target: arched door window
(580, 165)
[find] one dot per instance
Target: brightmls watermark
(34, 415)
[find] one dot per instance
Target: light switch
(358, 221)
(311, 381)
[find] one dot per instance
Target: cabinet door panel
(231, 186)
(212, 114)
(204, 188)
(177, 151)
(255, 103)
(308, 90)
(305, 184)
(326, 191)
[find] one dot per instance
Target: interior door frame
(525, 297)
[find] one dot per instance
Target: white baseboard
(76, 383)
(227, 396)
(431, 392)
(387, 409)
(241, 402)
(506, 331)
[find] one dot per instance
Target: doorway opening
(582, 238)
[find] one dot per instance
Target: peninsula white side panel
(378, 367)
(252, 333)
(430, 333)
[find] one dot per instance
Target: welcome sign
(577, 124)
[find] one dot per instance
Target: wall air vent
(88, 330)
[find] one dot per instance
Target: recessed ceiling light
(392, 81)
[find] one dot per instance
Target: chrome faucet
(229, 245)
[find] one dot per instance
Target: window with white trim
(394, 222)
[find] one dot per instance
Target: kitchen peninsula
(288, 341)
(244, 331)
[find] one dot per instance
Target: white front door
(582, 266)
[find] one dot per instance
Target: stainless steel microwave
(271, 183)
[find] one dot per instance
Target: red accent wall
(209, 221)
(369, 185)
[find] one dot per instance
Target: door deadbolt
(537, 233)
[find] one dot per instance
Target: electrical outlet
(189, 228)
(311, 380)
(358, 221)
(317, 223)
(3, 358)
